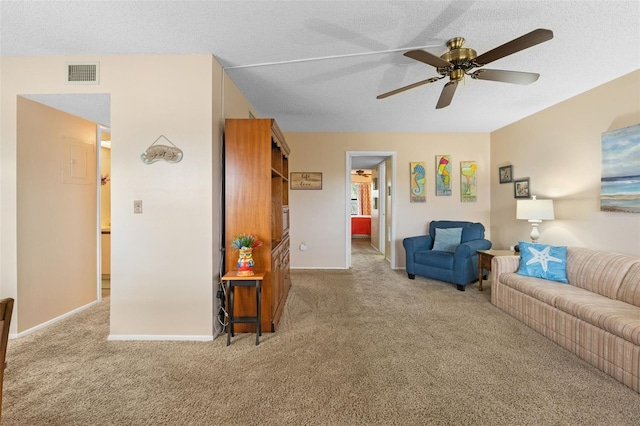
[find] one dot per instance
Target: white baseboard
(320, 268)
(159, 337)
(52, 321)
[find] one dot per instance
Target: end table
(234, 280)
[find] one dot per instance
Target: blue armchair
(458, 266)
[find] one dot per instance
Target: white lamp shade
(535, 209)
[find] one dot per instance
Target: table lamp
(535, 211)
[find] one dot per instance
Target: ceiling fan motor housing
(461, 58)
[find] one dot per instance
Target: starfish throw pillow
(543, 261)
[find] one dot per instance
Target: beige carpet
(361, 347)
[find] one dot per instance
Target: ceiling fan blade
(411, 86)
(427, 58)
(523, 42)
(448, 91)
(515, 77)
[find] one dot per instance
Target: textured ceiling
(594, 42)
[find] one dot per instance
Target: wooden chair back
(6, 309)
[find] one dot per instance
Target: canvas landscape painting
(620, 181)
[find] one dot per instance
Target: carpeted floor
(360, 347)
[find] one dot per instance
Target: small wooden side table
(484, 261)
(234, 280)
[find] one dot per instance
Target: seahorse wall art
(418, 181)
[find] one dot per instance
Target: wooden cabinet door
(286, 277)
(276, 281)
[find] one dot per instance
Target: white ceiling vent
(83, 72)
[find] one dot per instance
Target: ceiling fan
(361, 172)
(459, 61)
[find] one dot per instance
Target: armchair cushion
(438, 259)
(447, 239)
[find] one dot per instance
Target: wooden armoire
(256, 201)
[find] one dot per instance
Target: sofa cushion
(436, 259)
(543, 261)
(614, 316)
(597, 271)
(544, 290)
(447, 239)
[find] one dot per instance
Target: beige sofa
(596, 316)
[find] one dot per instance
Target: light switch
(137, 206)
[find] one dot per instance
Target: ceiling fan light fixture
(456, 74)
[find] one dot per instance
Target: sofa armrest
(501, 265)
(504, 265)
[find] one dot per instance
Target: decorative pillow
(447, 239)
(543, 261)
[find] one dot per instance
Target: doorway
(104, 210)
(383, 165)
(96, 108)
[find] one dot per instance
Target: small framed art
(506, 174)
(418, 180)
(306, 180)
(521, 188)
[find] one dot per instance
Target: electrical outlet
(137, 206)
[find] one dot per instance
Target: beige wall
(235, 104)
(56, 220)
(165, 261)
(162, 260)
(559, 149)
(318, 217)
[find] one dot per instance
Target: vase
(245, 262)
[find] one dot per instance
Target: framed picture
(468, 181)
(418, 180)
(306, 180)
(521, 188)
(443, 175)
(620, 178)
(506, 174)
